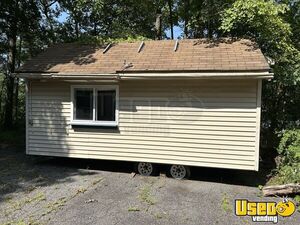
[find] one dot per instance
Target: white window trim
(94, 122)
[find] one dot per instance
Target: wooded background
(29, 26)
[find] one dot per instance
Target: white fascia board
(256, 75)
(67, 76)
(170, 75)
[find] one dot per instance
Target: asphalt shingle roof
(193, 55)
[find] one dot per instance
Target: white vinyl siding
(213, 123)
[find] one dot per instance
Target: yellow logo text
(264, 211)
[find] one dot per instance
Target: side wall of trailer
(209, 122)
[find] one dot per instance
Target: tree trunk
(16, 100)
(186, 18)
(76, 29)
(281, 190)
(17, 82)
(170, 3)
(95, 29)
(1, 99)
(158, 25)
(10, 81)
(46, 7)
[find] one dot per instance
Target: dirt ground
(43, 190)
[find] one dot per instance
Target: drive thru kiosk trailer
(182, 103)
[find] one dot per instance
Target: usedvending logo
(264, 211)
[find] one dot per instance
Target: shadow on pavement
(19, 172)
(226, 176)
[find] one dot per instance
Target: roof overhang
(156, 75)
(195, 75)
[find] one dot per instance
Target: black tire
(146, 168)
(179, 172)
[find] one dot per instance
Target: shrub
(288, 160)
(289, 146)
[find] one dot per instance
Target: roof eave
(147, 75)
(216, 75)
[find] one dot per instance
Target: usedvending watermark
(264, 211)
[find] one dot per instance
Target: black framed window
(106, 105)
(83, 104)
(95, 105)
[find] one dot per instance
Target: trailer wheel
(145, 168)
(179, 172)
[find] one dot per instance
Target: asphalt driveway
(41, 190)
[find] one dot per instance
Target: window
(83, 104)
(106, 105)
(95, 105)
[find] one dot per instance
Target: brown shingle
(156, 56)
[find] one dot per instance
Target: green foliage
(202, 18)
(98, 40)
(297, 200)
(289, 145)
(286, 174)
(271, 25)
(109, 18)
(288, 165)
(262, 20)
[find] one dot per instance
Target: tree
(170, 6)
(269, 23)
(18, 19)
(50, 10)
(202, 18)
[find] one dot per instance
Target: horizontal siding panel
(65, 113)
(41, 111)
(192, 93)
(183, 104)
(175, 125)
(153, 108)
(175, 109)
(152, 127)
(139, 159)
(42, 104)
(186, 100)
(107, 151)
(140, 144)
(188, 88)
(173, 113)
(182, 119)
(49, 97)
(116, 133)
(133, 129)
(203, 112)
(141, 140)
(179, 119)
(218, 137)
(37, 95)
(204, 141)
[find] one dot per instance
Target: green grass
(297, 200)
(133, 209)
(54, 206)
(145, 195)
(225, 204)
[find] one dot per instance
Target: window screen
(106, 105)
(83, 104)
